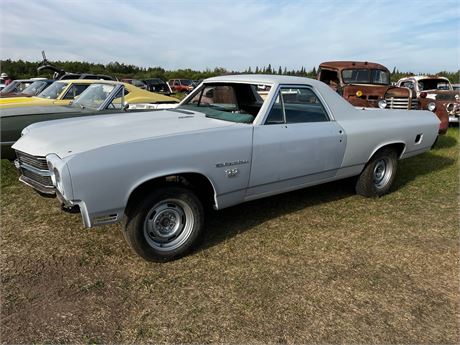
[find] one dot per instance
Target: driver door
(297, 145)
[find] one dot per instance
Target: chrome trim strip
(37, 171)
(37, 186)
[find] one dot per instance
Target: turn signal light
(359, 93)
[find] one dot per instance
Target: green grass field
(319, 265)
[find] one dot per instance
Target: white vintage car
(223, 145)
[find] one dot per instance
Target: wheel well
(198, 183)
(398, 147)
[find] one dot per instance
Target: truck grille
(401, 103)
(34, 172)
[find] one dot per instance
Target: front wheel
(378, 175)
(164, 225)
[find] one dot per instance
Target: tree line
(25, 69)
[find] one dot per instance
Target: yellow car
(62, 92)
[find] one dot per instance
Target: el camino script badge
(229, 164)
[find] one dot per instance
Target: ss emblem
(232, 172)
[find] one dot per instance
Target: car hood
(379, 90)
(13, 102)
(451, 95)
(71, 136)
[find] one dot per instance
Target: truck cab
(366, 84)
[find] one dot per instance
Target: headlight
(431, 106)
(450, 107)
(382, 104)
(60, 176)
(359, 93)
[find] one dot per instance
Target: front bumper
(453, 119)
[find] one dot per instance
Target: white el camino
(222, 145)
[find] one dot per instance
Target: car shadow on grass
(445, 142)
(225, 224)
(412, 168)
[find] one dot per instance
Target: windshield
(433, 84)
(185, 82)
(35, 88)
(93, 96)
(366, 76)
(11, 87)
(53, 91)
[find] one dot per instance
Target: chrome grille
(35, 172)
(36, 162)
(43, 180)
(401, 103)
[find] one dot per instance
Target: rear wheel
(165, 224)
(378, 175)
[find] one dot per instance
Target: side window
(297, 105)
(116, 102)
(276, 115)
(221, 97)
(75, 90)
(331, 78)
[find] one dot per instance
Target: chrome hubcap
(382, 173)
(168, 224)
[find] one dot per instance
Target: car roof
(89, 81)
(421, 77)
(30, 80)
(351, 64)
(265, 79)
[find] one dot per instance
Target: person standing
(5, 78)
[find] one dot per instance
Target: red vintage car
(181, 85)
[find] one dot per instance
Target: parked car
(27, 88)
(222, 146)
(437, 95)
(61, 92)
(17, 86)
(136, 82)
(99, 98)
(58, 93)
(366, 84)
(158, 85)
(181, 85)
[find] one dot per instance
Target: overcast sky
(417, 36)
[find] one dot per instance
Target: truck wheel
(164, 225)
(378, 175)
